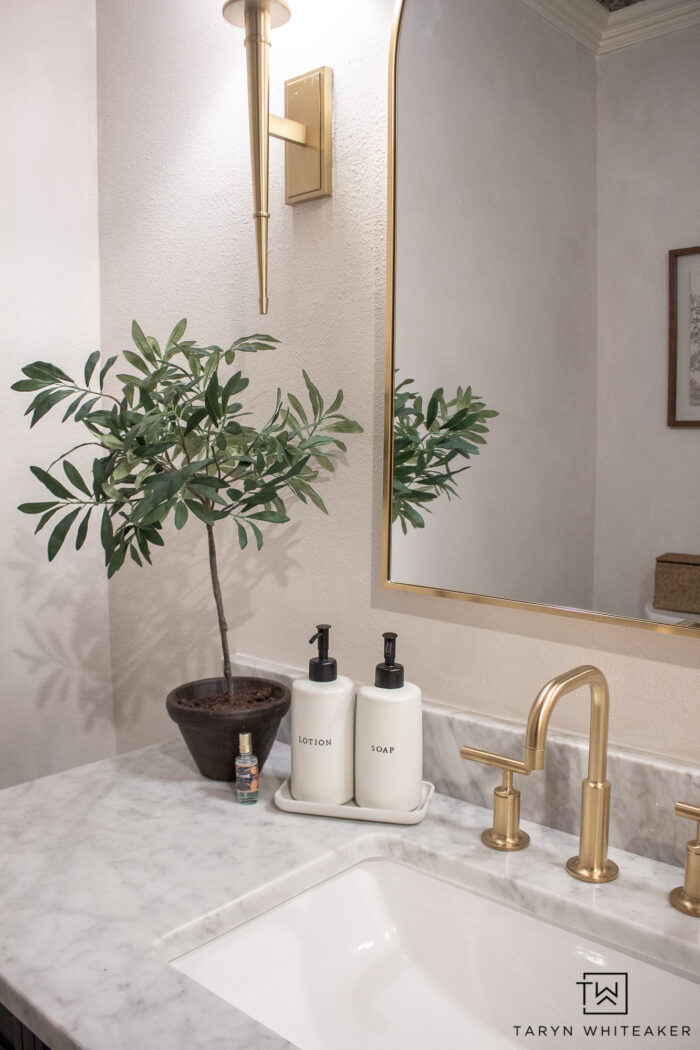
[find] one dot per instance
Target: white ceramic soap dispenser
(389, 738)
(323, 730)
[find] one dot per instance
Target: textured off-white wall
(495, 276)
(177, 239)
(649, 160)
(56, 697)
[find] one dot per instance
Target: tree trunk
(223, 626)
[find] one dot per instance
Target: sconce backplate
(308, 99)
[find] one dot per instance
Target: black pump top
(389, 675)
(322, 668)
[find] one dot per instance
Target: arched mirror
(544, 158)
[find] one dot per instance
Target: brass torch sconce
(306, 126)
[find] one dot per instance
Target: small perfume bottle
(246, 771)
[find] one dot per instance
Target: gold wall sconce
(306, 126)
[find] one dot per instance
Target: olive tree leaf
(73, 475)
(137, 361)
(201, 512)
(60, 532)
(24, 385)
(211, 398)
(116, 561)
(47, 517)
(36, 508)
(82, 530)
(313, 496)
(90, 366)
(103, 371)
(141, 343)
(43, 403)
(47, 372)
(51, 483)
(314, 396)
(341, 425)
(195, 419)
(181, 516)
(211, 366)
(73, 406)
(142, 541)
(176, 334)
(242, 536)
(337, 402)
(257, 532)
(298, 407)
(270, 515)
(106, 530)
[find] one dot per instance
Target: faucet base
(684, 902)
(495, 840)
(606, 873)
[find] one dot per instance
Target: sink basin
(384, 956)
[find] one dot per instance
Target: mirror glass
(538, 189)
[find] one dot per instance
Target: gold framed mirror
(540, 171)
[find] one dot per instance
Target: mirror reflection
(539, 187)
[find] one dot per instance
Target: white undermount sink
(384, 956)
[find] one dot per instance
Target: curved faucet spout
(544, 704)
(592, 864)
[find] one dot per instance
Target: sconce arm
(291, 131)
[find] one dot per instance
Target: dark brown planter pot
(212, 736)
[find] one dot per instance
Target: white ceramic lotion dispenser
(323, 730)
(389, 738)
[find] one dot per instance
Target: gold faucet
(591, 864)
(687, 897)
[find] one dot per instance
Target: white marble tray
(351, 811)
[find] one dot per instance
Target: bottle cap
(245, 744)
(389, 675)
(322, 668)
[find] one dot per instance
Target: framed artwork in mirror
(684, 337)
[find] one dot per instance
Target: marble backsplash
(645, 787)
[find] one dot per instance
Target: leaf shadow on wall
(164, 624)
(61, 630)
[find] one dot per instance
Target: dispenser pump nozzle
(322, 668)
(389, 675)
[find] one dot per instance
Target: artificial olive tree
(177, 439)
(430, 440)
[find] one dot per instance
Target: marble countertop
(100, 863)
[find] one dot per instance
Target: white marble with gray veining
(110, 869)
(645, 788)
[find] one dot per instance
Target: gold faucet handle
(685, 809)
(686, 898)
(505, 833)
(488, 758)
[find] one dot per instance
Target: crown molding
(587, 22)
(645, 20)
(582, 20)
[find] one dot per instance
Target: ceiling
(615, 5)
